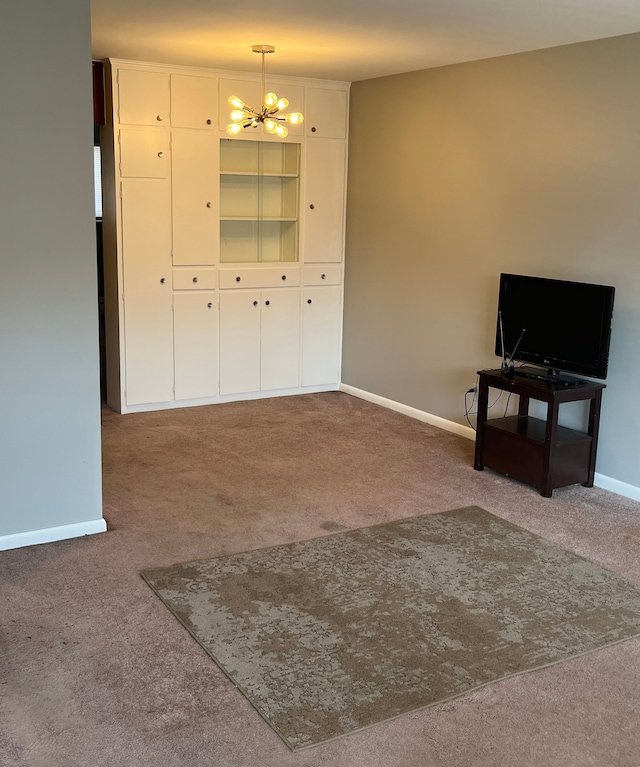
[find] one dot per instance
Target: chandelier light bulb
(238, 115)
(270, 100)
(295, 118)
(270, 126)
(233, 129)
(234, 101)
(281, 131)
(282, 104)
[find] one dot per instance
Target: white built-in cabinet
(223, 257)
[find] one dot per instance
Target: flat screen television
(554, 324)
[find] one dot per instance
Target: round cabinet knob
(266, 303)
(162, 280)
(323, 276)
(160, 118)
(237, 279)
(284, 277)
(210, 305)
(208, 205)
(312, 206)
(195, 279)
(208, 122)
(308, 300)
(314, 129)
(255, 303)
(160, 154)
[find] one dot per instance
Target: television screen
(556, 324)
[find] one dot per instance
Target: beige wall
(50, 473)
(527, 163)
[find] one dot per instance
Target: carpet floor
(92, 674)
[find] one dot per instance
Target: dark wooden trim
(98, 93)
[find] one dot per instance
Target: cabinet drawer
(284, 277)
(194, 279)
(322, 275)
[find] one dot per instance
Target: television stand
(536, 452)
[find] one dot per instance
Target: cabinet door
(144, 153)
(239, 342)
(148, 321)
(280, 350)
(324, 201)
(326, 115)
(321, 315)
(195, 334)
(143, 97)
(194, 102)
(194, 166)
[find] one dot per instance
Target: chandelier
(243, 116)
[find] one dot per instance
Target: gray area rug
(328, 636)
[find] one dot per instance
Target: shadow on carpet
(332, 635)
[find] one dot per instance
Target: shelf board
(257, 218)
(257, 175)
(534, 429)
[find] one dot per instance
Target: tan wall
(527, 163)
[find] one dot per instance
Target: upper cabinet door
(143, 97)
(323, 219)
(194, 102)
(144, 153)
(326, 115)
(194, 163)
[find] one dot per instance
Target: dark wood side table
(539, 453)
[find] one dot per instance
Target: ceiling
(347, 39)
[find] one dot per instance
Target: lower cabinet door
(239, 341)
(195, 340)
(280, 335)
(321, 313)
(148, 331)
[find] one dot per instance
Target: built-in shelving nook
(259, 198)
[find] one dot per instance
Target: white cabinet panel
(326, 115)
(280, 336)
(144, 153)
(239, 342)
(195, 333)
(143, 97)
(321, 309)
(194, 102)
(194, 165)
(324, 201)
(148, 321)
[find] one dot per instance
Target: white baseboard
(412, 412)
(617, 487)
(50, 534)
(602, 481)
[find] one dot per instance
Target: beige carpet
(94, 674)
(329, 636)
